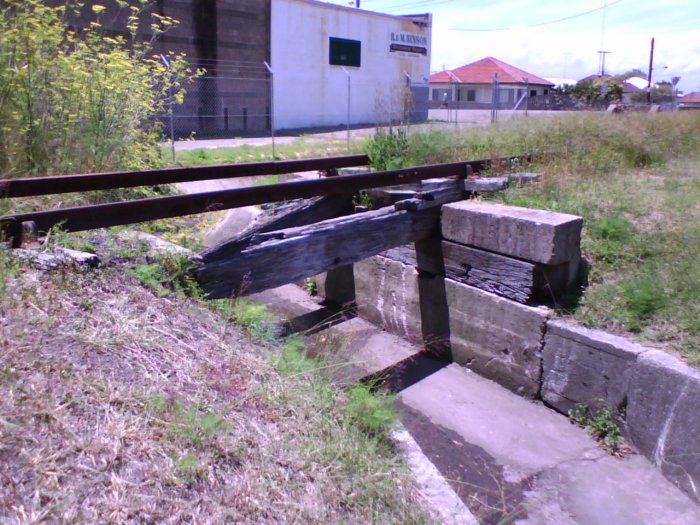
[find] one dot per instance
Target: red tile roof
(691, 98)
(482, 71)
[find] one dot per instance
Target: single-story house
(690, 101)
(471, 86)
(631, 87)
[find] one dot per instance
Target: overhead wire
(540, 24)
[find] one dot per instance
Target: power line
(417, 4)
(548, 22)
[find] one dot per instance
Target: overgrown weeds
(588, 144)
(168, 273)
(601, 424)
(250, 316)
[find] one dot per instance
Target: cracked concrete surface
(545, 470)
(508, 459)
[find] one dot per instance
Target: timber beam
(285, 256)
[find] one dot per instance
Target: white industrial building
(321, 52)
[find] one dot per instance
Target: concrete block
(497, 338)
(534, 235)
(387, 294)
(663, 417)
(523, 178)
(586, 366)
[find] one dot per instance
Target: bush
(387, 149)
(80, 101)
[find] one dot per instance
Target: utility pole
(601, 62)
(651, 70)
(347, 73)
(566, 59)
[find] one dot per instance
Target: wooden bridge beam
(281, 257)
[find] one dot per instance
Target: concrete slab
(387, 294)
(233, 223)
(534, 235)
(352, 348)
(608, 490)
(498, 338)
(587, 366)
(543, 469)
(434, 489)
(663, 417)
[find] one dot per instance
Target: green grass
(301, 148)
(168, 274)
(252, 317)
(634, 181)
(186, 417)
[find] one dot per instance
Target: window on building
(533, 92)
(546, 92)
(344, 52)
(471, 95)
(441, 94)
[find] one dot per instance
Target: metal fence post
(495, 99)
(348, 117)
(272, 106)
(170, 105)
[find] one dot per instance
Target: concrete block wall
(521, 346)
(658, 394)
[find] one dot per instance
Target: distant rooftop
(482, 72)
(691, 98)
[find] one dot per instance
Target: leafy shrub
(80, 101)
(387, 150)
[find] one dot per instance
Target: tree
(590, 92)
(80, 102)
(632, 73)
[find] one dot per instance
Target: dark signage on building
(408, 49)
(408, 44)
(344, 52)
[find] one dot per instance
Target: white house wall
(483, 92)
(309, 92)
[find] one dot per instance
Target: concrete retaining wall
(657, 393)
(521, 348)
(497, 338)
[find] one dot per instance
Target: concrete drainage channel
(432, 323)
(457, 325)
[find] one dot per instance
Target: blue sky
(561, 39)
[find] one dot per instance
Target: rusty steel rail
(142, 210)
(35, 186)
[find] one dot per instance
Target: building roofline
(327, 5)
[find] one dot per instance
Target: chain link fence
(234, 99)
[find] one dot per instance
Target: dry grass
(118, 406)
